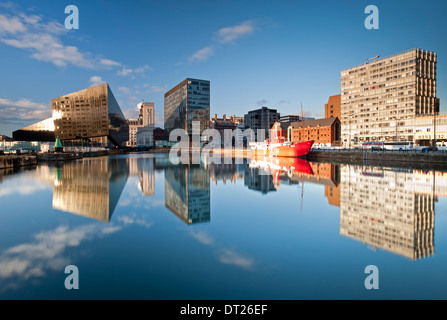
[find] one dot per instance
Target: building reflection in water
(143, 168)
(267, 174)
(388, 209)
(90, 188)
(187, 192)
(384, 208)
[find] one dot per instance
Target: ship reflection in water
(383, 208)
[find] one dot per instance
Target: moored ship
(282, 149)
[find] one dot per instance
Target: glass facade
(187, 102)
(90, 113)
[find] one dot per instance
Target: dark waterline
(138, 227)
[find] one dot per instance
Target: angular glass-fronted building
(91, 113)
(187, 102)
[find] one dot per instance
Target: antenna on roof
(375, 58)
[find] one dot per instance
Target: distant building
(222, 124)
(380, 99)
(142, 127)
(187, 102)
(41, 131)
(333, 107)
(289, 118)
(145, 137)
(324, 132)
(5, 138)
(263, 118)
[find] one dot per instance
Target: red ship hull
(278, 150)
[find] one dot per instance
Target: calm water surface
(138, 227)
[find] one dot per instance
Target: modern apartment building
(187, 102)
(263, 118)
(381, 98)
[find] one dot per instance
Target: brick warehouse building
(325, 132)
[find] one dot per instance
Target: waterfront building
(224, 123)
(91, 114)
(187, 102)
(386, 209)
(263, 119)
(425, 128)
(333, 107)
(141, 130)
(145, 137)
(381, 98)
(161, 137)
(325, 132)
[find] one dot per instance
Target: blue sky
(274, 53)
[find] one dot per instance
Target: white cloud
(124, 72)
(201, 55)
(96, 80)
(131, 72)
(23, 109)
(11, 25)
(155, 89)
(229, 34)
(44, 40)
(223, 36)
(124, 90)
(108, 62)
